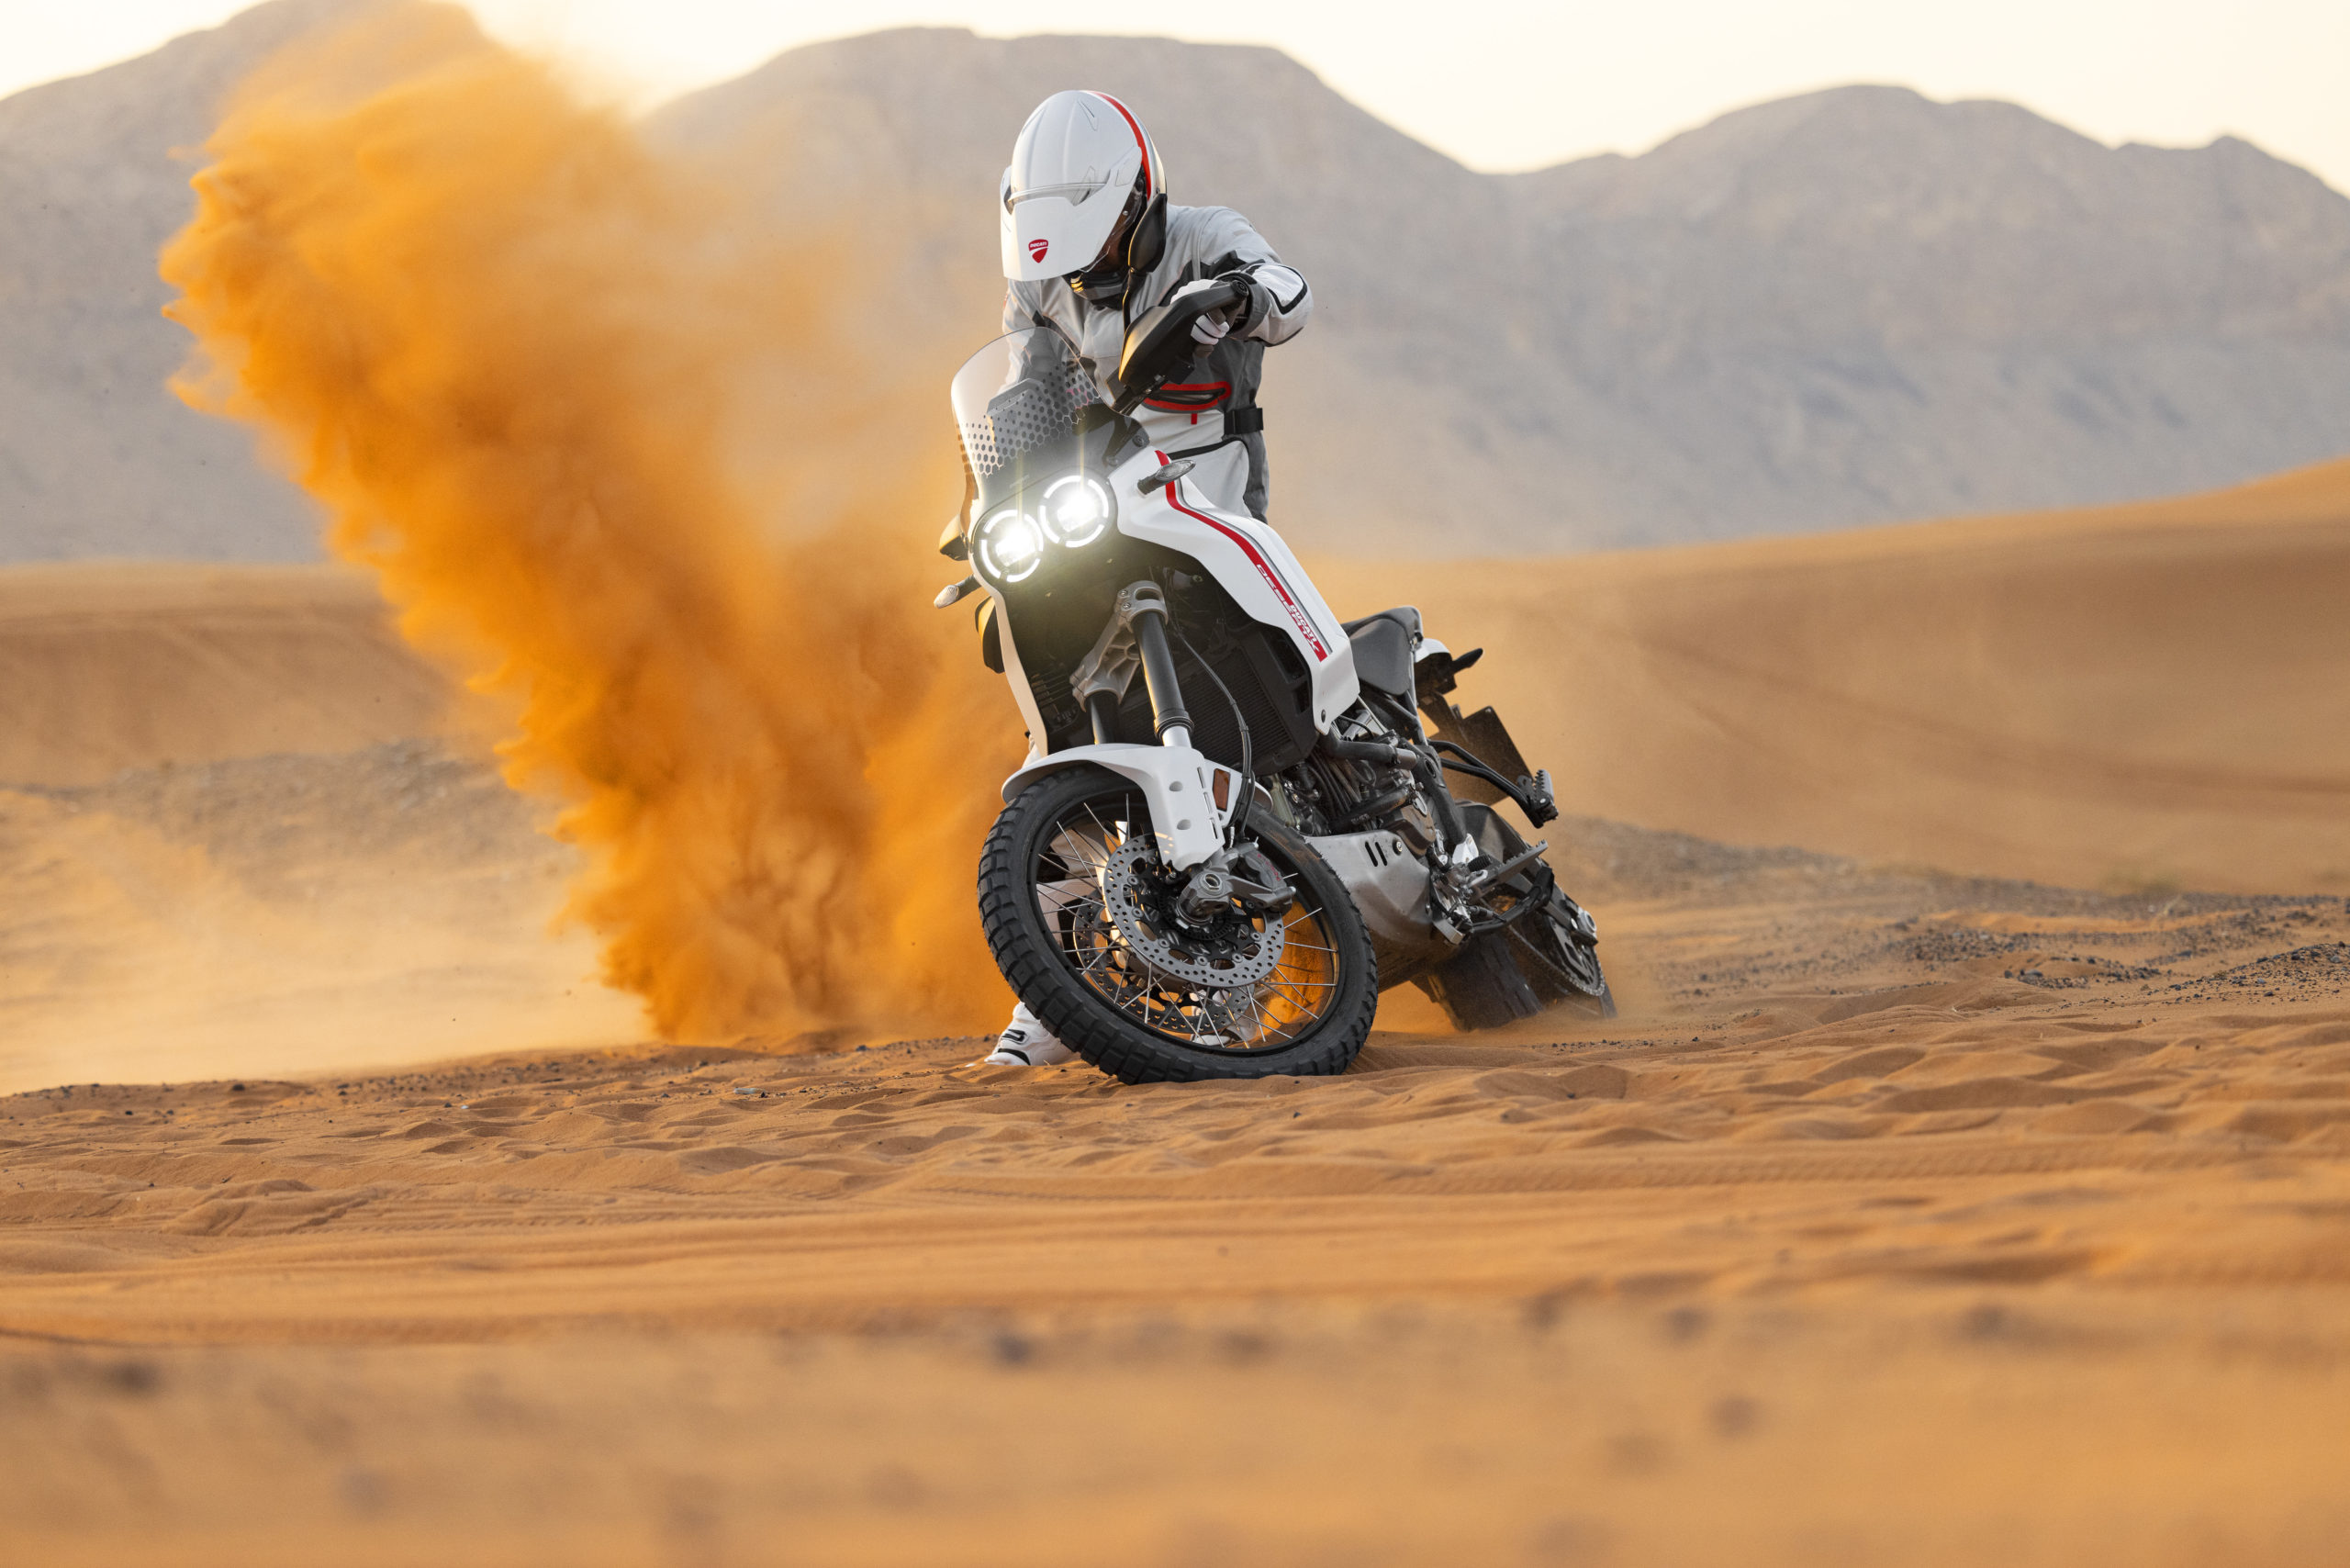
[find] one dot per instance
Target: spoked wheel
(1546, 957)
(1083, 921)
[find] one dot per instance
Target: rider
(1089, 244)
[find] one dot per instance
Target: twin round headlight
(1074, 511)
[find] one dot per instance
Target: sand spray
(609, 441)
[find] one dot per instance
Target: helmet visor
(1056, 229)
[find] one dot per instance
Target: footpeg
(1542, 806)
(1496, 873)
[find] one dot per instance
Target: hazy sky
(1502, 85)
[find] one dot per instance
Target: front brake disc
(1231, 955)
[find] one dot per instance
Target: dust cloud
(611, 444)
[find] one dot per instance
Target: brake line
(1248, 754)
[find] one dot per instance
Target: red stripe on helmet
(1140, 139)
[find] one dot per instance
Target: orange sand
(606, 437)
(1903, 1217)
(109, 666)
(2140, 696)
(1926, 1264)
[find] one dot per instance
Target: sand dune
(234, 839)
(105, 667)
(285, 913)
(2147, 696)
(1904, 1215)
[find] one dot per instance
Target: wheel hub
(1575, 958)
(1228, 953)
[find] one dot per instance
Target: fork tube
(1167, 710)
(1104, 714)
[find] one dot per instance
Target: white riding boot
(1027, 1043)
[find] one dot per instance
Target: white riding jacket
(1211, 417)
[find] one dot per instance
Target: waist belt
(1243, 421)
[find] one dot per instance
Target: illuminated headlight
(1077, 510)
(1011, 546)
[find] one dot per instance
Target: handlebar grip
(1223, 297)
(1161, 343)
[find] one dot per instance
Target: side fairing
(1253, 565)
(1022, 696)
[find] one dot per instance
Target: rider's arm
(1290, 301)
(1279, 302)
(1019, 314)
(1278, 299)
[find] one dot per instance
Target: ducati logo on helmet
(1037, 249)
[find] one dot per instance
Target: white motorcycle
(1233, 830)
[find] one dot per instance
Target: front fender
(1190, 797)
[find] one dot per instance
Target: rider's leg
(1222, 476)
(1027, 1043)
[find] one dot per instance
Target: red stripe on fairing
(1272, 578)
(1140, 139)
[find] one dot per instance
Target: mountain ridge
(1854, 306)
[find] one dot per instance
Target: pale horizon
(1529, 87)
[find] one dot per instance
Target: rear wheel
(1079, 912)
(1546, 957)
(1531, 966)
(1479, 987)
(1557, 951)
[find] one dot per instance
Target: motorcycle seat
(1405, 615)
(1384, 645)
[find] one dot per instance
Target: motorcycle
(1235, 827)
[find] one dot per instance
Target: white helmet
(1080, 160)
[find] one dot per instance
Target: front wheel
(1080, 914)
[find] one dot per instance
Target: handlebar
(1160, 344)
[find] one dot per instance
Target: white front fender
(1182, 788)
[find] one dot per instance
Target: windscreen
(1020, 392)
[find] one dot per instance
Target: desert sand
(1935, 1215)
(234, 834)
(2144, 696)
(106, 667)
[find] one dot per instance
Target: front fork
(1169, 719)
(1236, 869)
(1193, 801)
(1137, 631)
